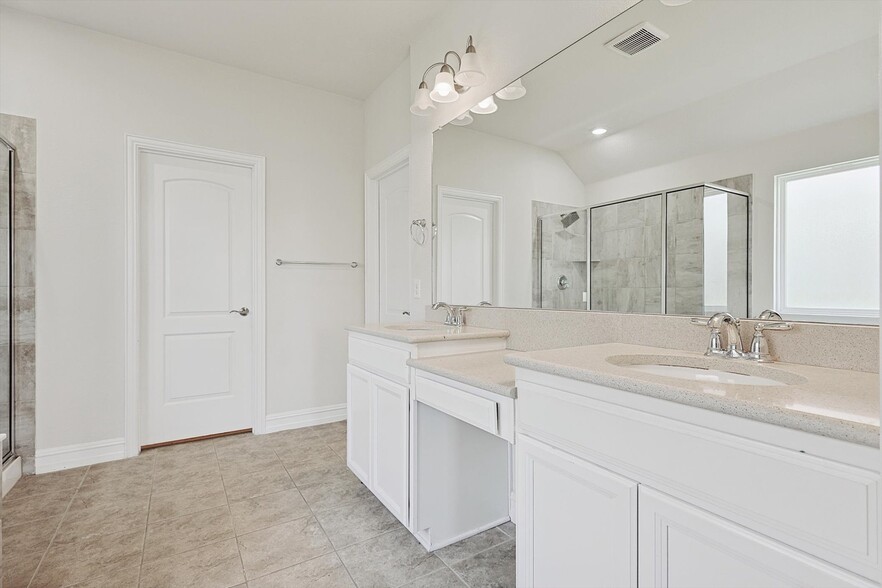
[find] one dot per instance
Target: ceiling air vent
(638, 39)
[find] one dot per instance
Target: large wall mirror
(713, 156)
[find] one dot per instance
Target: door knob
(243, 311)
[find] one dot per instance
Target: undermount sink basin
(705, 375)
(707, 370)
(417, 327)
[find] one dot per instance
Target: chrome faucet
(770, 314)
(759, 348)
(455, 314)
(735, 347)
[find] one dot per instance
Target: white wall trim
(135, 147)
(372, 177)
(296, 419)
(81, 454)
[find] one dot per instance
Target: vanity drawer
(823, 507)
(382, 360)
(472, 409)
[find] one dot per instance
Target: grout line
(60, 522)
(147, 522)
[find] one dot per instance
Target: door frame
(496, 202)
(136, 146)
(372, 178)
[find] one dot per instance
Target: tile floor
(279, 510)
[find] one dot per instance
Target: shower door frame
(664, 235)
(10, 455)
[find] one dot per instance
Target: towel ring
(419, 236)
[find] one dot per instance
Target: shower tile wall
(22, 133)
(626, 248)
(559, 252)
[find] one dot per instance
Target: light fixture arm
(428, 69)
(458, 58)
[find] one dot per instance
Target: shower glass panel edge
(7, 396)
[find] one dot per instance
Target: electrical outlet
(417, 289)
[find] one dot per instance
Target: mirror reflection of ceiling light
(463, 119)
(485, 106)
(450, 82)
(675, 2)
(598, 131)
(513, 91)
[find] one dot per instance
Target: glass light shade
(443, 91)
(513, 91)
(470, 73)
(422, 104)
(485, 106)
(463, 119)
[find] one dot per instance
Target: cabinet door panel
(358, 423)
(576, 521)
(390, 404)
(682, 546)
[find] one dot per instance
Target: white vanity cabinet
(379, 398)
(619, 489)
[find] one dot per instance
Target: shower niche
(682, 251)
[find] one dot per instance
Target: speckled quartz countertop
(487, 371)
(427, 332)
(840, 404)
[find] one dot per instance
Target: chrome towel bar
(352, 264)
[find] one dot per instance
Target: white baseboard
(72, 456)
(309, 417)
(11, 475)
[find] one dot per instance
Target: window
(827, 243)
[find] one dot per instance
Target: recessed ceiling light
(675, 2)
(599, 131)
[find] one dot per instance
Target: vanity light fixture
(463, 119)
(598, 131)
(513, 91)
(450, 82)
(485, 106)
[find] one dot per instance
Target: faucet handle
(759, 347)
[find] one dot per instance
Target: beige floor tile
(173, 536)
(293, 438)
(268, 510)
(121, 579)
(177, 477)
(187, 500)
(472, 545)
(69, 563)
(322, 497)
(23, 548)
(102, 520)
(356, 521)
(292, 457)
(508, 528)
(213, 566)
(24, 510)
(494, 568)
(238, 443)
(279, 547)
(391, 559)
(52, 482)
(239, 464)
(326, 571)
(141, 467)
(339, 447)
(269, 481)
(112, 491)
(320, 472)
(444, 578)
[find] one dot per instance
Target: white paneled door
(394, 266)
(468, 249)
(197, 297)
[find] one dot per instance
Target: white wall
(387, 117)
(846, 140)
(519, 173)
(87, 91)
(511, 38)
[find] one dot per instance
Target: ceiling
(343, 46)
(731, 73)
